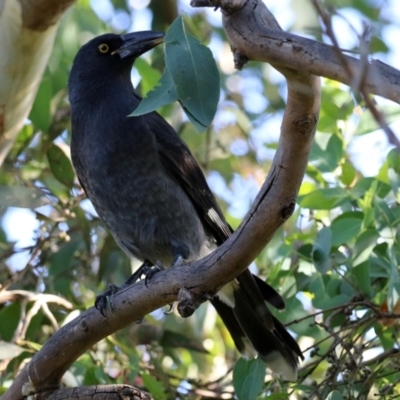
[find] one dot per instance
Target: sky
(368, 152)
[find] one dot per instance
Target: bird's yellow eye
(104, 48)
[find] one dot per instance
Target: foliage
(335, 261)
(190, 76)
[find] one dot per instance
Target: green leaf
(327, 152)
(393, 295)
(160, 96)
(248, 378)
(40, 114)
(362, 277)
(348, 173)
(195, 73)
(364, 245)
(239, 375)
(335, 395)
(321, 250)
(20, 196)
(368, 123)
(10, 313)
(346, 227)
(150, 76)
(324, 199)
(90, 377)
(60, 166)
(155, 387)
(198, 125)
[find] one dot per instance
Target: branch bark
(103, 392)
(273, 205)
(283, 49)
(27, 32)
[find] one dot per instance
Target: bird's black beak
(137, 43)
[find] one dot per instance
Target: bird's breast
(144, 208)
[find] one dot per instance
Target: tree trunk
(27, 32)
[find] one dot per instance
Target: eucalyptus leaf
(21, 196)
(335, 395)
(155, 387)
(321, 250)
(163, 94)
(346, 227)
(248, 378)
(324, 199)
(195, 73)
(60, 165)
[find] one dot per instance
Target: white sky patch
(390, 36)
(138, 4)
(141, 20)
(19, 224)
(103, 9)
(346, 26)
(121, 21)
(368, 152)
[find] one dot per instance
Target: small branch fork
(347, 345)
(358, 77)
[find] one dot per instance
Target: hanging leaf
(164, 93)
(20, 196)
(195, 73)
(191, 77)
(60, 166)
(248, 378)
(321, 250)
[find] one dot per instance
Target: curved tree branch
(273, 205)
(286, 50)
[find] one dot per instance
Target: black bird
(152, 195)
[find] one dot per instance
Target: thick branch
(285, 50)
(274, 204)
(103, 392)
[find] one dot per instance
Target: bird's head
(109, 55)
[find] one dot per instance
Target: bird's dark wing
(179, 162)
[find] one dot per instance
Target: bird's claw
(151, 271)
(170, 310)
(104, 301)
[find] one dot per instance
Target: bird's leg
(177, 261)
(104, 301)
(179, 253)
(150, 272)
(142, 270)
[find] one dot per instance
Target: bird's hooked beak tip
(137, 43)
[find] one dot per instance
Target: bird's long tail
(254, 329)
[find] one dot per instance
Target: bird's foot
(142, 270)
(151, 271)
(104, 301)
(170, 310)
(177, 261)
